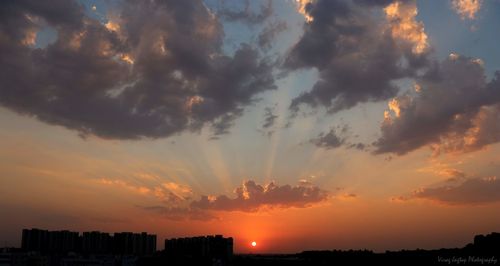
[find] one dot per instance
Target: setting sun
(254, 244)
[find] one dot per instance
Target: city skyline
(294, 124)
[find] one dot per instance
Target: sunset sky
(311, 124)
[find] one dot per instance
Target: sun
(254, 244)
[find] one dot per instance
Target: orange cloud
(484, 130)
(123, 184)
(251, 196)
(168, 192)
(467, 9)
(472, 191)
(30, 37)
(301, 8)
(403, 25)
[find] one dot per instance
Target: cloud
(155, 69)
(452, 173)
(358, 53)
(467, 9)
(303, 7)
(167, 192)
(269, 117)
(247, 15)
(401, 16)
(471, 191)
(329, 140)
(454, 110)
(251, 196)
(337, 136)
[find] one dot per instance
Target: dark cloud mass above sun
(455, 110)
(357, 52)
(360, 48)
(155, 69)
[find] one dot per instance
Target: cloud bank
(357, 53)
(454, 110)
(249, 197)
(470, 191)
(156, 68)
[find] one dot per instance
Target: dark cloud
(220, 126)
(252, 196)
(268, 34)
(269, 117)
(179, 80)
(355, 52)
(329, 140)
(454, 110)
(247, 15)
(358, 146)
(338, 136)
(471, 191)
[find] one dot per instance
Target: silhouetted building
(200, 247)
(34, 239)
(50, 241)
(94, 242)
(487, 243)
(132, 243)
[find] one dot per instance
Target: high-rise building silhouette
(94, 242)
(133, 243)
(50, 241)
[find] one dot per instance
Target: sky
(300, 125)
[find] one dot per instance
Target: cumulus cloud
(303, 7)
(401, 16)
(454, 110)
(251, 196)
(153, 70)
(467, 9)
(358, 54)
(471, 191)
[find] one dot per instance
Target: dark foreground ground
(485, 250)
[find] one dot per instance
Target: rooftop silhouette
(95, 242)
